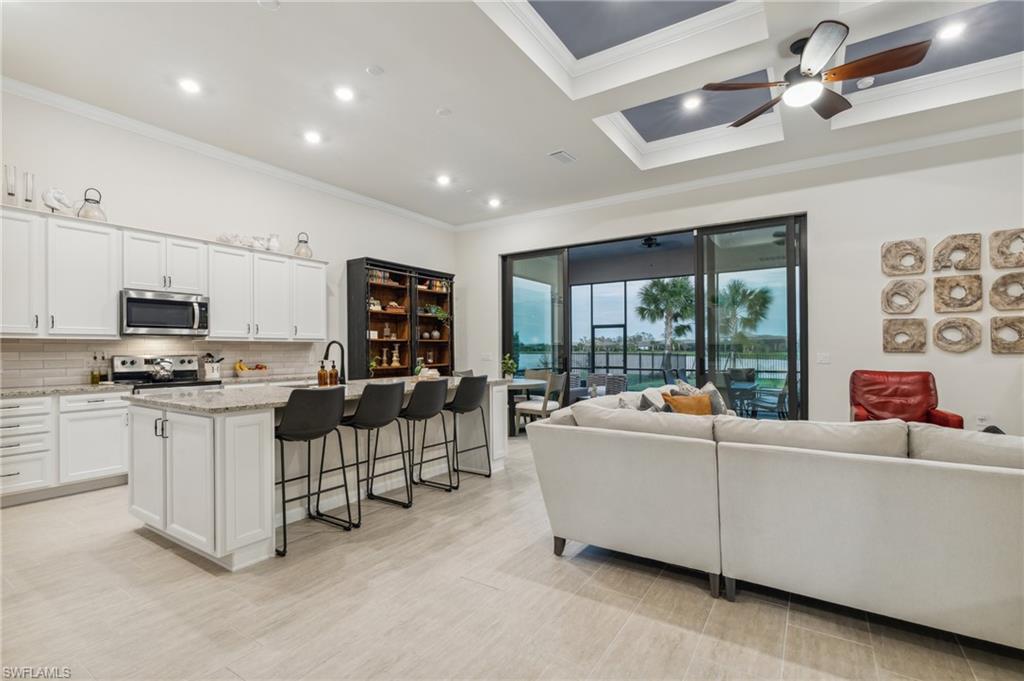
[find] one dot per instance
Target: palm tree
(670, 301)
(740, 310)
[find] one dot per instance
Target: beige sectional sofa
(917, 522)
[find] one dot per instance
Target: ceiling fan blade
(823, 43)
(880, 62)
(741, 86)
(756, 112)
(829, 103)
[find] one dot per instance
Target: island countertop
(221, 401)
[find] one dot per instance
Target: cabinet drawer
(26, 472)
(93, 401)
(14, 427)
(24, 444)
(25, 406)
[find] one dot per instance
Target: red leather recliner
(906, 395)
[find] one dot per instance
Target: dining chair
(541, 407)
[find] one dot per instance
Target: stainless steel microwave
(157, 313)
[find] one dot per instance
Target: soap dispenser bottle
(332, 375)
(321, 375)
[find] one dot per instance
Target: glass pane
(537, 299)
(660, 318)
(609, 347)
(581, 327)
(609, 303)
(747, 324)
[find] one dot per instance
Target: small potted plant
(440, 313)
(374, 365)
(508, 366)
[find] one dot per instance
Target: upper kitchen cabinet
(230, 293)
(157, 263)
(272, 299)
(309, 300)
(83, 277)
(23, 280)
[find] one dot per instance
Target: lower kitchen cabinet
(190, 481)
(25, 472)
(93, 444)
(147, 467)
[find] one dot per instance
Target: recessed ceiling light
(443, 180)
(951, 31)
(374, 70)
(494, 202)
(345, 94)
(312, 137)
(271, 5)
(865, 83)
(691, 102)
(190, 86)
(443, 111)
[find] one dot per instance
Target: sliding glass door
(750, 327)
(534, 313)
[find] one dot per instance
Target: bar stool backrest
(379, 405)
(428, 398)
(615, 384)
(311, 413)
(469, 395)
(463, 372)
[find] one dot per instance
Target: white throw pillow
(659, 423)
(936, 443)
(562, 417)
(883, 438)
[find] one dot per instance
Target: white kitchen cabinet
(23, 280)
(309, 300)
(245, 479)
(231, 293)
(83, 278)
(157, 263)
(191, 513)
(25, 472)
(147, 467)
(93, 444)
(272, 301)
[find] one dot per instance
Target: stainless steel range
(146, 372)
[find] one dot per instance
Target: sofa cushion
(562, 417)
(698, 405)
(936, 443)
(652, 397)
(883, 438)
(660, 423)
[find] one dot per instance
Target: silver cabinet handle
(51, 321)
(126, 419)
(170, 281)
(36, 322)
(248, 328)
(156, 426)
(163, 429)
(17, 425)
(257, 328)
(11, 406)
(97, 400)
(10, 475)
(16, 444)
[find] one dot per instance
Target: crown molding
(705, 35)
(107, 117)
(828, 160)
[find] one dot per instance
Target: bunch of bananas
(241, 367)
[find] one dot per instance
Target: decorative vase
(395, 361)
(274, 242)
(426, 335)
(435, 334)
(302, 248)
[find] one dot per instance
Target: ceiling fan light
(803, 93)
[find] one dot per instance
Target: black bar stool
(469, 397)
(427, 401)
(309, 415)
(379, 406)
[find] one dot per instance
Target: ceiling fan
(804, 83)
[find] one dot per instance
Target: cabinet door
(186, 266)
(146, 467)
(190, 500)
(245, 479)
(272, 297)
(84, 278)
(23, 283)
(93, 444)
(309, 300)
(144, 256)
(230, 293)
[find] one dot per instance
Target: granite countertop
(51, 390)
(258, 397)
(272, 378)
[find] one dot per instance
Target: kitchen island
(202, 463)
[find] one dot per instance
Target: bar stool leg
(345, 524)
(453, 464)
(284, 516)
(486, 446)
(407, 481)
(309, 481)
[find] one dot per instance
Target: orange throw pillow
(696, 405)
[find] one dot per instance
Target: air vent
(562, 156)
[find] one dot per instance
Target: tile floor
(463, 585)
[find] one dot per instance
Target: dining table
(520, 385)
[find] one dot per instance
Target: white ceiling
(268, 76)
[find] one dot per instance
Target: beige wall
(156, 185)
(850, 210)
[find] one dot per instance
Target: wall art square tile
(956, 334)
(958, 252)
(904, 335)
(1006, 248)
(902, 296)
(1007, 292)
(906, 256)
(1007, 335)
(959, 293)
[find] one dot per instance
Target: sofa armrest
(945, 418)
(858, 413)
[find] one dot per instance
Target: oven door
(163, 314)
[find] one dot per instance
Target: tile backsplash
(49, 361)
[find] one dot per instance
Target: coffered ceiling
(482, 92)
